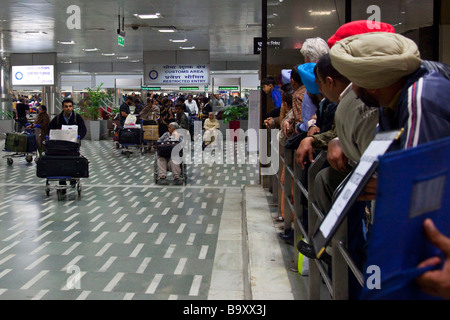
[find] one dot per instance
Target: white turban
(375, 60)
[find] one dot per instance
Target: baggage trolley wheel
(59, 194)
(47, 190)
(117, 145)
(9, 161)
(29, 158)
(128, 154)
(79, 189)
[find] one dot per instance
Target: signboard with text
(33, 75)
(169, 74)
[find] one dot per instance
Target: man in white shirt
(191, 105)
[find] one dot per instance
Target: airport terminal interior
(123, 233)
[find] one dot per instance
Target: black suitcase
(131, 136)
(61, 148)
(62, 166)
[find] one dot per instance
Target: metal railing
(294, 188)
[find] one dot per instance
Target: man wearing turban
(386, 71)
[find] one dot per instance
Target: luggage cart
(62, 163)
(130, 138)
(59, 188)
(27, 151)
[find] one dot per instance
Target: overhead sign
(176, 74)
(188, 88)
(271, 43)
(151, 88)
(120, 40)
(228, 88)
(33, 75)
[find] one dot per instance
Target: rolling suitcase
(16, 142)
(61, 148)
(62, 166)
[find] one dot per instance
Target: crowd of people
(359, 82)
(172, 114)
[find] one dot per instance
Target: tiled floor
(124, 238)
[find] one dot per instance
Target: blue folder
(413, 185)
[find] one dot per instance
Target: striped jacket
(423, 108)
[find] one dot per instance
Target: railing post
(298, 210)
(314, 273)
(280, 188)
(287, 190)
(339, 267)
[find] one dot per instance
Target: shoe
(162, 178)
(287, 236)
(308, 251)
(175, 178)
(278, 219)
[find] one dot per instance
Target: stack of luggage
(20, 142)
(62, 159)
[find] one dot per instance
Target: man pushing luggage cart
(61, 160)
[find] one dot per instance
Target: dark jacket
(75, 119)
(423, 110)
(182, 121)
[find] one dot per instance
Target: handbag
(294, 141)
(164, 149)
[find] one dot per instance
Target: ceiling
(225, 28)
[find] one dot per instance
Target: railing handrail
(337, 285)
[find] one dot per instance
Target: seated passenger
(211, 125)
(166, 163)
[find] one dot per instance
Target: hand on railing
(336, 157)
(305, 151)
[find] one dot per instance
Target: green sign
(188, 88)
(151, 88)
(228, 88)
(121, 41)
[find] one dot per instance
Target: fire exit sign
(121, 41)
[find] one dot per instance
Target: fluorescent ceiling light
(135, 60)
(304, 28)
(91, 49)
(180, 40)
(122, 58)
(35, 32)
(66, 42)
(108, 54)
(320, 13)
(149, 16)
(187, 48)
(70, 61)
(166, 30)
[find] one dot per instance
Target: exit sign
(121, 41)
(188, 88)
(228, 88)
(151, 88)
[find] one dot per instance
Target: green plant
(235, 112)
(95, 100)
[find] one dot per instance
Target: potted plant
(91, 108)
(233, 114)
